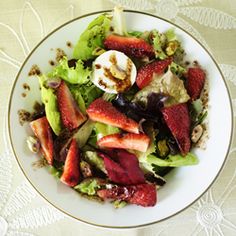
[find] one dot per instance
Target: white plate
(184, 185)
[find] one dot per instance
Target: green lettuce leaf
(159, 41)
(119, 204)
(170, 35)
(177, 69)
(95, 160)
(77, 75)
(173, 160)
(55, 172)
(49, 100)
(92, 38)
(168, 84)
(136, 34)
(88, 186)
(118, 21)
(89, 92)
(84, 132)
(74, 89)
(103, 130)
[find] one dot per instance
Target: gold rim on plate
(21, 167)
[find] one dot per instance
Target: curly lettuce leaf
(49, 100)
(173, 160)
(77, 75)
(88, 186)
(165, 44)
(89, 92)
(177, 69)
(159, 41)
(92, 38)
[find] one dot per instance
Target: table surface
(22, 25)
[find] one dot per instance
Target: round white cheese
(113, 72)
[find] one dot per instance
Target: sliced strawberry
(137, 142)
(42, 131)
(115, 172)
(145, 195)
(71, 173)
(142, 194)
(123, 168)
(103, 111)
(178, 120)
(146, 72)
(131, 46)
(70, 113)
(195, 82)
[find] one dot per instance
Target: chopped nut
(117, 72)
(162, 148)
(171, 47)
(196, 133)
(33, 144)
(86, 169)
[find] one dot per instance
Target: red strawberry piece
(117, 193)
(145, 195)
(178, 120)
(131, 46)
(142, 194)
(42, 131)
(115, 172)
(195, 82)
(132, 141)
(103, 111)
(126, 161)
(71, 173)
(70, 113)
(146, 72)
(131, 164)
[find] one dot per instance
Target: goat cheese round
(113, 72)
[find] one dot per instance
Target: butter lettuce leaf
(173, 160)
(168, 84)
(77, 75)
(49, 100)
(92, 38)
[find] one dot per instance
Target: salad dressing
(121, 85)
(113, 72)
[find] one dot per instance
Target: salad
(121, 113)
